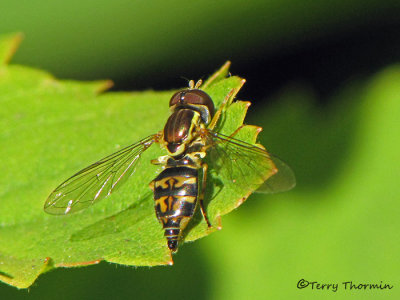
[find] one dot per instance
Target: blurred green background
(325, 87)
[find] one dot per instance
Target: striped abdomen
(175, 195)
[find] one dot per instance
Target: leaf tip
(226, 65)
(48, 264)
(247, 104)
(9, 45)
(104, 86)
(258, 130)
(218, 75)
(47, 260)
(219, 223)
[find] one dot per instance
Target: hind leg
(202, 192)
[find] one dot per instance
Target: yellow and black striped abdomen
(175, 195)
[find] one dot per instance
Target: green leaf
(49, 129)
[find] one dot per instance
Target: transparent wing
(281, 181)
(249, 166)
(97, 181)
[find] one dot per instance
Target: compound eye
(176, 98)
(190, 98)
(196, 97)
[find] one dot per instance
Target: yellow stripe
(175, 182)
(163, 205)
(190, 199)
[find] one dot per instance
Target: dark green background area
(340, 223)
(152, 44)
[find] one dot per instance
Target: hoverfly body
(188, 136)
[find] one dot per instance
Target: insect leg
(202, 192)
(227, 101)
